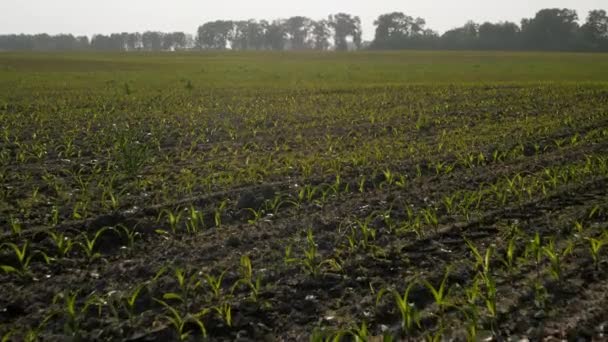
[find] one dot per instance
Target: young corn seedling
(390, 223)
(24, 258)
(467, 161)
(180, 322)
(440, 294)
(310, 255)
(596, 211)
(401, 182)
(414, 225)
(449, 202)
(471, 309)
(215, 284)
(555, 258)
(389, 178)
(287, 258)
(173, 219)
(448, 168)
(275, 204)
(490, 298)
(534, 249)
(482, 262)
(481, 159)
(430, 217)
(247, 278)
(361, 184)
(439, 167)
(257, 216)
(552, 178)
(509, 260)
(580, 228)
(130, 300)
(308, 192)
(110, 200)
(72, 312)
(336, 187)
(360, 333)
(306, 169)
(224, 312)
(367, 233)
(15, 225)
(434, 336)
(300, 197)
(54, 216)
(63, 244)
(130, 234)
(194, 221)
(499, 193)
(80, 210)
(469, 202)
(296, 203)
(319, 335)
(559, 142)
(309, 263)
(219, 211)
(187, 284)
(410, 317)
(540, 294)
(131, 155)
(324, 197)
(595, 246)
(423, 122)
(32, 334)
(498, 156)
(88, 245)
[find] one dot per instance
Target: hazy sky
(105, 16)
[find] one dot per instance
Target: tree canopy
(551, 29)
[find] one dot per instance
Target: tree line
(550, 29)
(341, 31)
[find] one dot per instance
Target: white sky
(87, 17)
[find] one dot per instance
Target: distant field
(303, 196)
(301, 70)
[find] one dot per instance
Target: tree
(397, 30)
(118, 41)
(152, 41)
(215, 35)
(465, 37)
(190, 42)
(248, 35)
(344, 26)
(179, 40)
(100, 42)
(320, 35)
(500, 36)
(64, 42)
(134, 41)
(16, 42)
(297, 29)
(82, 42)
(173, 41)
(595, 31)
(240, 38)
(274, 35)
(551, 29)
(43, 42)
